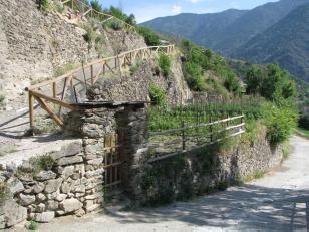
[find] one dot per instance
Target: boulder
(26, 200)
(53, 185)
(13, 214)
(45, 175)
(70, 205)
(15, 185)
(70, 150)
(69, 160)
(43, 217)
(38, 188)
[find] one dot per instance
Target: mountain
(203, 29)
(211, 30)
(236, 33)
(286, 43)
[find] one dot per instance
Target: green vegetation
(43, 4)
(36, 165)
(64, 69)
(150, 37)
(157, 94)
(165, 64)
(135, 67)
(199, 61)
(33, 225)
(287, 149)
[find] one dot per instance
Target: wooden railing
(229, 129)
(86, 10)
(79, 79)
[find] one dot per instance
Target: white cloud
(176, 9)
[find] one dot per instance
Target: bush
(304, 121)
(4, 192)
(165, 64)
(232, 83)
(193, 75)
(43, 4)
(135, 67)
(157, 94)
(151, 38)
(33, 225)
(280, 122)
(96, 5)
(116, 25)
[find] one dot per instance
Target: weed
(157, 94)
(2, 98)
(165, 64)
(286, 150)
(64, 69)
(43, 5)
(4, 192)
(135, 67)
(33, 226)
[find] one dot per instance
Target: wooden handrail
(72, 72)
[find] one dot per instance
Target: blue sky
(148, 9)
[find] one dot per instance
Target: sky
(145, 10)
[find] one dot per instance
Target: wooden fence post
(31, 110)
(54, 90)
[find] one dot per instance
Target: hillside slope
(211, 30)
(286, 43)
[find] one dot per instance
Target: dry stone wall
(201, 171)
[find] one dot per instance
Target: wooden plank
(50, 112)
(54, 100)
(54, 90)
(31, 110)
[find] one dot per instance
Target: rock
(15, 185)
(43, 217)
(26, 199)
(40, 197)
(70, 150)
(69, 160)
(61, 197)
(40, 208)
(70, 205)
(92, 208)
(53, 185)
(13, 213)
(95, 161)
(45, 175)
(66, 187)
(60, 213)
(38, 188)
(80, 212)
(67, 172)
(52, 205)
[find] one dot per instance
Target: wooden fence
(77, 80)
(231, 126)
(83, 9)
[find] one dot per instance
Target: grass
(8, 149)
(303, 132)
(287, 149)
(64, 69)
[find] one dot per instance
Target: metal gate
(112, 162)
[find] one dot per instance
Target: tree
(254, 79)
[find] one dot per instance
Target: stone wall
(71, 181)
(201, 171)
(33, 44)
(135, 87)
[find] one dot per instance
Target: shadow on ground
(243, 208)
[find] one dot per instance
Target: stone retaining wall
(201, 171)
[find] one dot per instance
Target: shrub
(96, 5)
(193, 75)
(280, 122)
(43, 4)
(151, 38)
(33, 225)
(157, 94)
(303, 121)
(135, 67)
(232, 83)
(165, 64)
(116, 25)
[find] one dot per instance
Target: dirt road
(277, 202)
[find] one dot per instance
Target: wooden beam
(50, 112)
(31, 111)
(54, 90)
(51, 99)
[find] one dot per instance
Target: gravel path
(277, 202)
